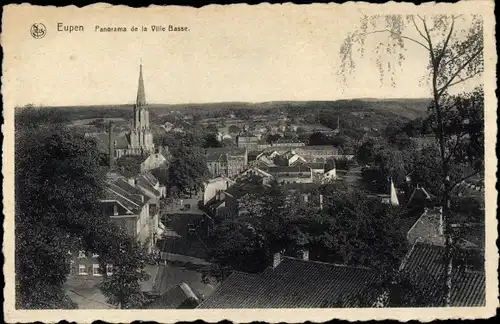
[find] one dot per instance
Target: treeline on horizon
(407, 108)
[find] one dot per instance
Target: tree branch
(391, 32)
(431, 50)
(453, 149)
(464, 79)
(447, 85)
(418, 29)
(464, 178)
(445, 45)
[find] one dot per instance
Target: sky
(270, 53)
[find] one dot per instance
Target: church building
(137, 141)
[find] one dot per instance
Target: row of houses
(230, 161)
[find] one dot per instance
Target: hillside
(406, 108)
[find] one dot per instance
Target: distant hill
(406, 108)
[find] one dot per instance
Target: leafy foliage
(123, 287)
(350, 229)
(187, 170)
(129, 165)
(58, 185)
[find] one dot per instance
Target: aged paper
(69, 56)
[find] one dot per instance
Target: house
(252, 172)
(153, 161)
(295, 174)
(129, 207)
(228, 203)
(248, 142)
(168, 126)
(292, 283)
(330, 173)
(213, 186)
(311, 153)
(226, 161)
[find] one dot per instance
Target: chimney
(277, 257)
(111, 145)
(304, 255)
(131, 181)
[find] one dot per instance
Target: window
(95, 270)
(109, 269)
(82, 270)
(81, 255)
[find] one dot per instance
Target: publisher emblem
(38, 30)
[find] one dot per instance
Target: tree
(122, 287)
(233, 129)
(129, 165)
(210, 140)
(455, 56)
(58, 185)
(187, 170)
(161, 173)
(319, 138)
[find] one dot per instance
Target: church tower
(141, 137)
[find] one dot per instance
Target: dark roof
(127, 195)
(468, 287)
(317, 165)
(229, 150)
(318, 147)
(121, 141)
(419, 197)
(248, 185)
(180, 296)
(222, 153)
(302, 187)
(294, 283)
(286, 169)
(144, 182)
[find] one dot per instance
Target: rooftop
(468, 287)
(294, 283)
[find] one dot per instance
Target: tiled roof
(427, 229)
(126, 194)
(293, 283)
(468, 287)
(143, 182)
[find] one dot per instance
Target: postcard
(271, 162)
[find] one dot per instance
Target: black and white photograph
(247, 158)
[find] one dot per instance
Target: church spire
(394, 196)
(141, 95)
